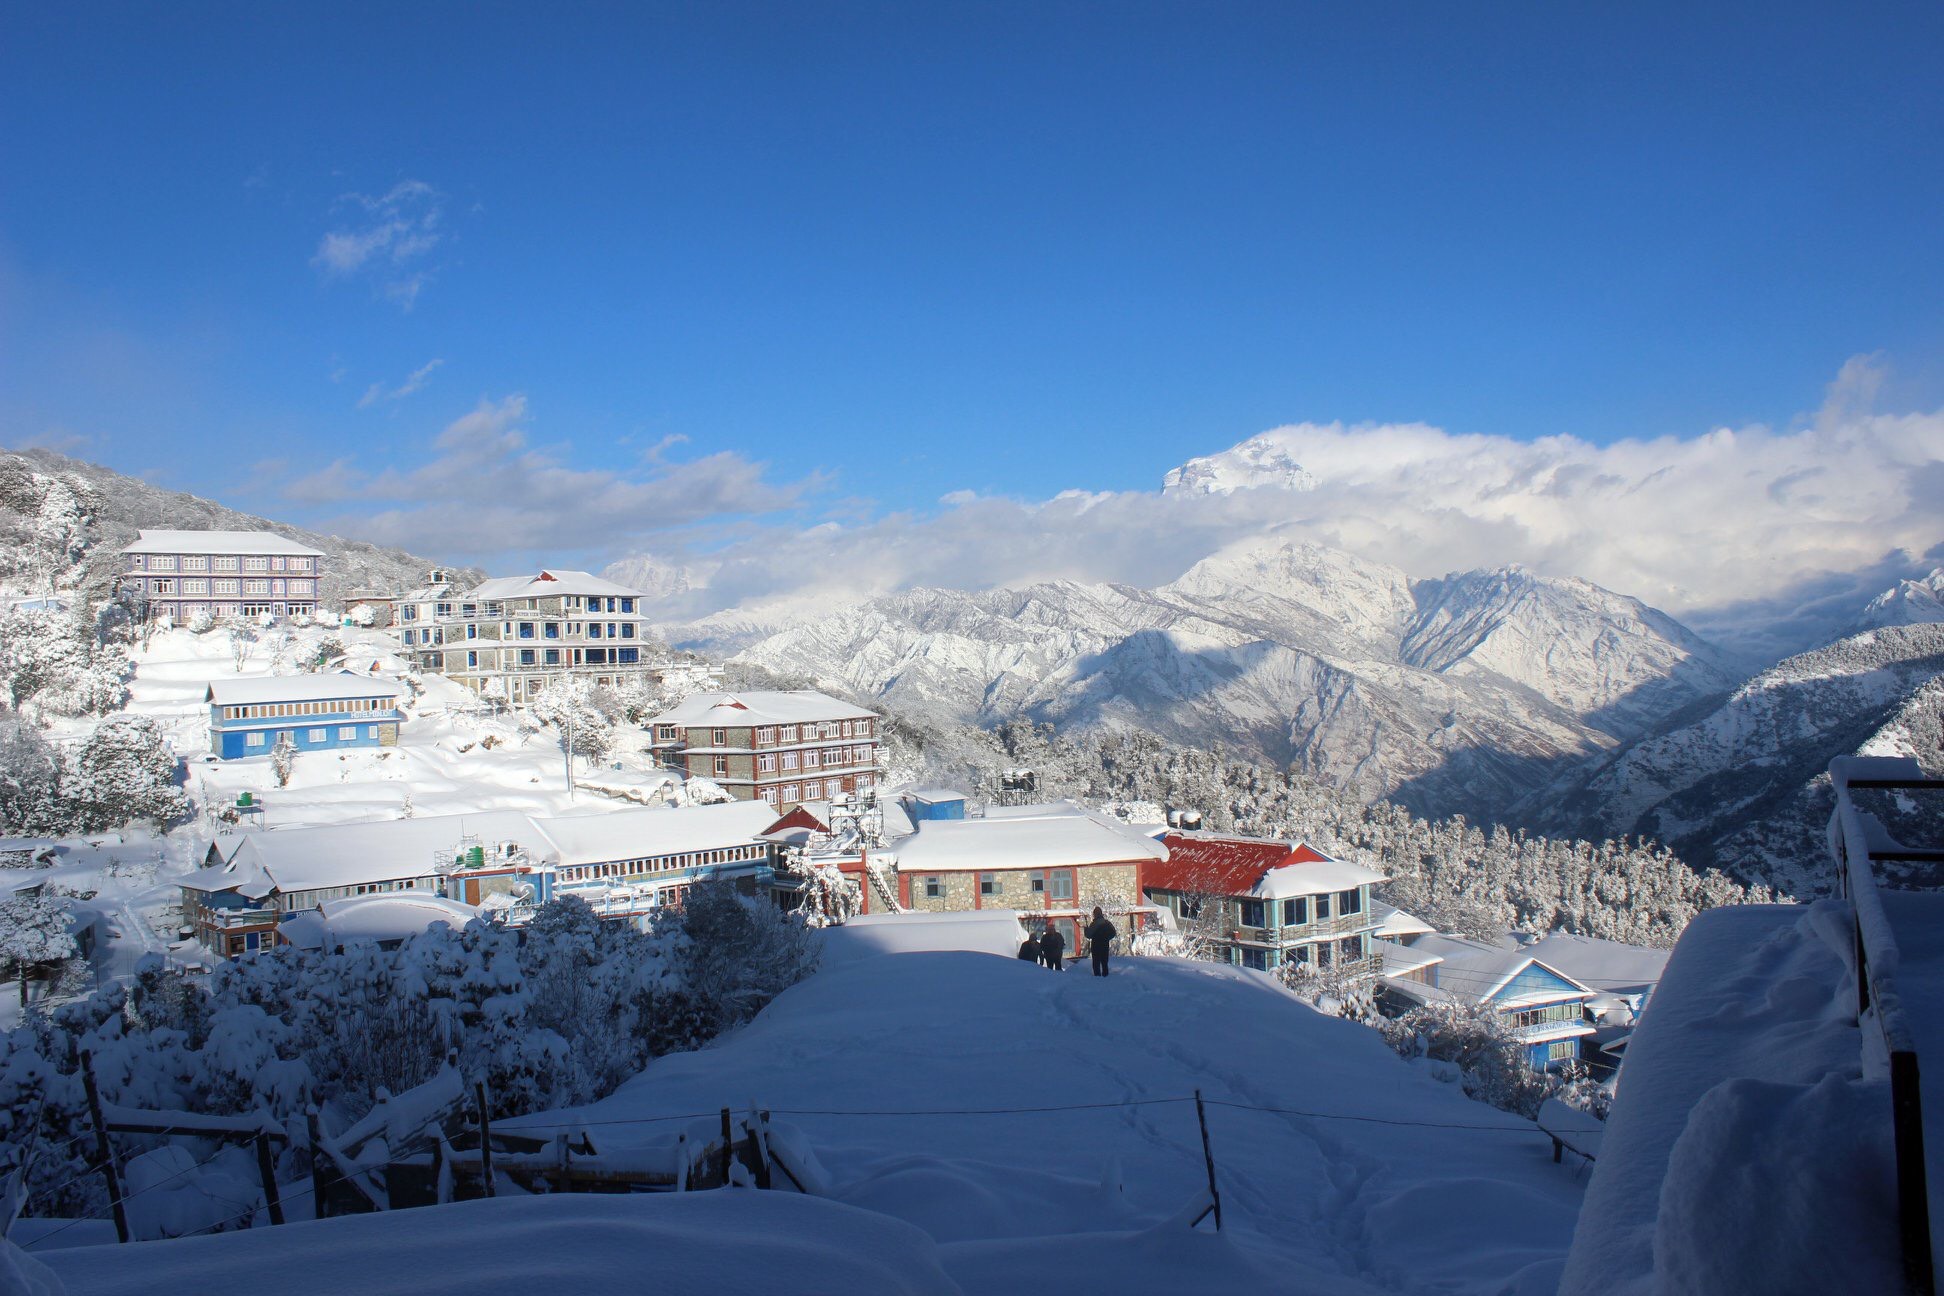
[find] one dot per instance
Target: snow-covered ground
(1369, 1174)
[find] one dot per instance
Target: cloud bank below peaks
(1763, 539)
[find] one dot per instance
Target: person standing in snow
(1030, 949)
(1100, 941)
(1052, 948)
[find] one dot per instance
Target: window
(162, 562)
(1037, 880)
(789, 733)
(789, 760)
(550, 656)
(256, 564)
(1255, 958)
(163, 587)
(1350, 949)
(1350, 901)
(766, 734)
(722, 764)
(1322, 907)
(253, 740)
(472, 657)
(627, 630)
(721, 737)
(1295, 912)
(195, 563)
(1253, 915)
(1061, 884)
(551, 630)
(627, 605)
(526, 657)
(347, 733)
(627, 656)
(988, 884)
(526, 629)
(790, 792)
(766, 762)
(320, 735)
(769, 795)
(812, 758)
(593, 629)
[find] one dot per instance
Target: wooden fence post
(104, 1153)
(319, 1202)
(727, 1147)
(267, 1168)
(485, 1136)
(1208, 1158)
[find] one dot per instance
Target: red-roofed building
(1267, 903)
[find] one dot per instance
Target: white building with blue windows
(248, 717)
(509, 637)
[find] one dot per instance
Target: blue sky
(769, 265)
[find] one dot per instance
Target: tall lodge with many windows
(781, 747)
(511, 636)
(177, 574)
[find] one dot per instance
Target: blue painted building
(1546, 1010)
(926, 805)
(317, 712)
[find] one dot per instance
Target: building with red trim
(1268, 903)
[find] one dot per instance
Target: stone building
(784, 748)
(177, 574)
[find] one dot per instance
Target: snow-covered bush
(1330, 990)
(829, 898)
(577, 704)
(283, 758)
(94, 685)
(329, 649)
(1491, 1062)
(200, 620)
(30, 779)
(124, 773)
(33, 937)
(242, 642)
(51, 656)
(363, 615)
(735, 953)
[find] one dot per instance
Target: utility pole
(567, 722)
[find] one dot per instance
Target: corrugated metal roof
(298, 688)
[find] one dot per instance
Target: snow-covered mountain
(1908, 602)
(1741, 783)
(1263, 460)
(1447, 694)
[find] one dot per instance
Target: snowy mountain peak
(1263, 460)
(1909, 602)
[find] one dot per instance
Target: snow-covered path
(868, 1059)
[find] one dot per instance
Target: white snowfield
(889, 1069)
(722, 1243)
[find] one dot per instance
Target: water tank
(475, 857)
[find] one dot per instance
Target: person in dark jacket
(1053, 948)
(1100, 941)
(1030, 948)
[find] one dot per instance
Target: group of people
(1048, 948)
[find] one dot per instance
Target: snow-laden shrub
(1330, 990)
(200, 621)
(1492, 1063)
(829, 898)
(577, 704)
(30, 779)
(95, 685)
(363, 615)
(123, 773)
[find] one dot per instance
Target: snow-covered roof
(935, 796)
(1475, 971)
(390, 917)
(1604, 965)
(636, 834)
(1211, 864)
(335, 855)
(298, 688)
(759, 707)
(218, 542)
(1394, 922)
(548, 583)
(1402, 959)
(1058, 841)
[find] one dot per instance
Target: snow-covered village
(838, 649)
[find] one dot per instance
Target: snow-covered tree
(124, 773)
(200, 621)
(242, 645)
(734, 952)
(829, 898)
(30, 780)
(576, 703)
(363, 615)
(283, 757)
(1492, 1063)
(33, 937)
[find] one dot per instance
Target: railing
(1857, 841)
(1326, 929)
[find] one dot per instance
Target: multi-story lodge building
(176, 574)
(511, 636)
(1267, 903)
(781, 747)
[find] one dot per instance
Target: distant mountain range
(1459, 693)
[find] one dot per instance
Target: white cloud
(1763, 538)
(414, 382)
(483, 493)
(388, 233)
